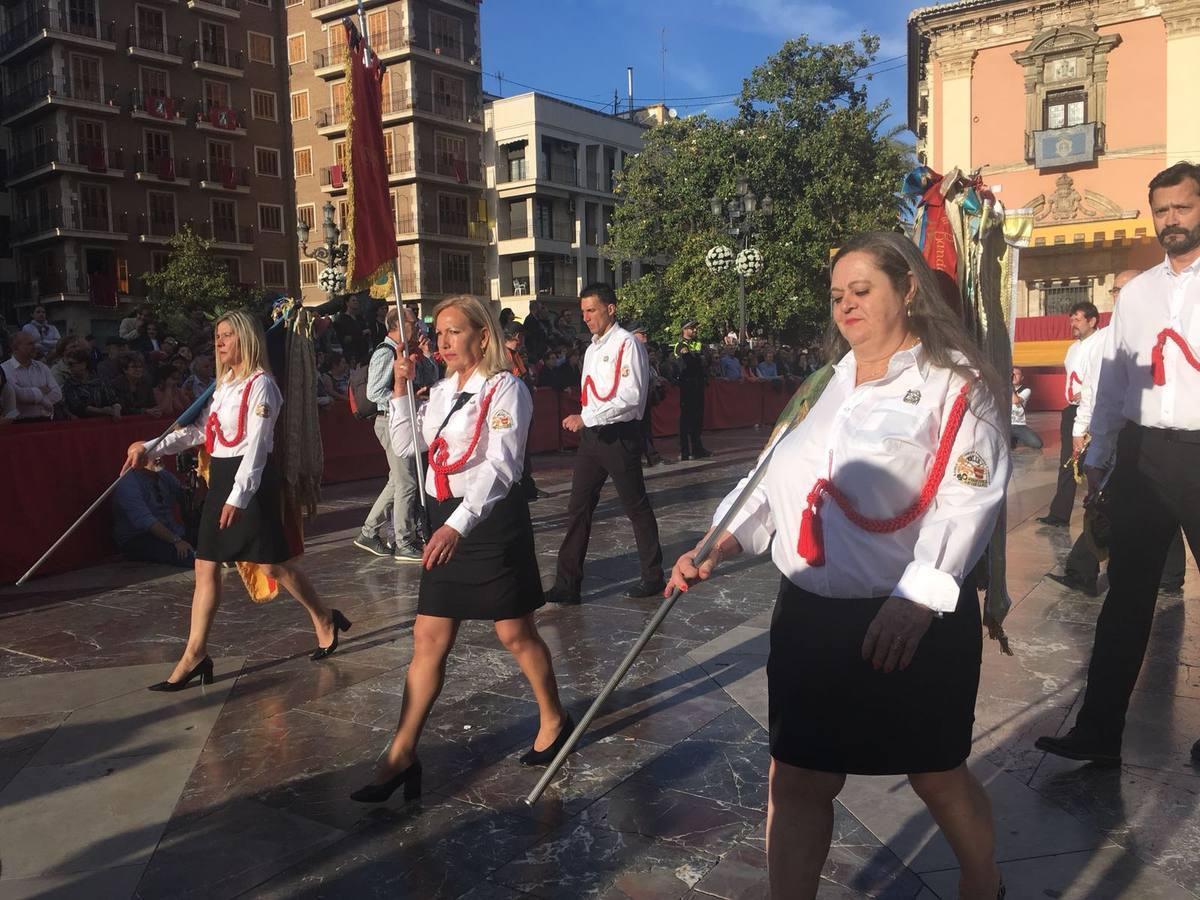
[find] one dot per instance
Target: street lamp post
(742, 215)
(333, 253)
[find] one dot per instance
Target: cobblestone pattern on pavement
(240, 788)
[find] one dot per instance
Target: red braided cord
(212, 428)
(439, 452)
(588, 383)
(1157, 362)
(918, 507)
(1071, 382)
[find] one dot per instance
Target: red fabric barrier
(1049, 390)
(776, 395)
(732, 404)
(664, 415)
(545, 429)
(568, 405)
(352, 451)
(1050, 328)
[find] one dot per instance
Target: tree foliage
(192, 278)
(806, 136)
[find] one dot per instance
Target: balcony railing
(401, 102)
(164, 168)
(168, 109)
(562, 285)
(336, 176)
(558, 231)
(155, 43)
(453, 284)
(59, 88)
(515, 170)
(160, 225)
(55, 20)
(564, 174)
(70, 218)
(227, 233)
(231, 5)
(597, 181)
(393, 41)
(453, 225)
(514, 230)
(230, 177)
(216, 55)
(95, 156)
(462, 169)
(55, 282)
(219, 116)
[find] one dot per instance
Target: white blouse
(630, 378)
(497, 461)
(877, 444)
(262, 406)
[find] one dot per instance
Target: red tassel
(811, 545)
(583, 398)
(1158, 366)
(441, 483)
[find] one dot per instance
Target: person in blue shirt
(145, 526)
(731, 369)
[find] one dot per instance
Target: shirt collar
(474, 384)
(847, 366)
(604, 338)
(1193, 269)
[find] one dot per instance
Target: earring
(908, 310)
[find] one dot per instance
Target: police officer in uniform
(1147, 417)
(692, 379)
(615, 385)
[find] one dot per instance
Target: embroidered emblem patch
(624, 371)
(913, 397)
(262, 410)
(606, 359)
(971, 470)
(501, 420)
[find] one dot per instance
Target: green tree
(806, 136)
(193, 277)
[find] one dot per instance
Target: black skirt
(257, 535)
(493, 573)
(831, 711)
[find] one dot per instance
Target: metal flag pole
(702, 554)
(411, 394)
(185, 418)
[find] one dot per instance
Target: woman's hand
(402, 370)
(895, 632)
(135, 456)
(686, 573)
(229, 515)
(440, 548)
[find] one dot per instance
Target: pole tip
(527, 802)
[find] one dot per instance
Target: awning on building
(1101, 232)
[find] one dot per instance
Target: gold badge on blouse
(501, 420)
(262, 410)
(971, 470)
(624, 371)
(913, 397)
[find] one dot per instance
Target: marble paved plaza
(240, 789)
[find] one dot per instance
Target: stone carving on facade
(1067, 205)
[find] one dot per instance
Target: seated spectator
(45, 335)
(107, 369)
(730, 368)
(58, 360)
(133, 391)
(749, 361)
(546, 376)
(169, 398)
(131, 327)
(767, 367)
(86, 396)
(147, 339)
(202, 376)
(1021, 433)
(145, 522)
(32, 382)
(8, 400)
(334, 380)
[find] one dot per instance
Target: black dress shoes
(544, 757)
(409, 778)
(340, 623)
(1083, 747)
(702, 454)
(1075, 583)
(204, 669)
(642, 590)
(1053, 521)
(561, 595)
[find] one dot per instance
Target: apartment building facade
(551, 166)
(433, 131)
(126, 121)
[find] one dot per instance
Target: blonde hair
(252, 345)
(482, 319)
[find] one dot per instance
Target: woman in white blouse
(876, 509)
(242, 519)
(480, 562)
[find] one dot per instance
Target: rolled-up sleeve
(508, 418)
(264, 403)
(955, 530)
(631, 387)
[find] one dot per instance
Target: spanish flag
(370, 223)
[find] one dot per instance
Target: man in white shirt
(45, 335)
(1021, 432)
(1085, 322)
(33, 383)
(1146, 430)
(616, 381)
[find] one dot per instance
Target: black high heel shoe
(340, 623)
(204, 669)
(378, 793)
(545, 757)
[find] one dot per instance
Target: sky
(579, 49)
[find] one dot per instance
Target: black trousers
(614, 450)
(1155, 489)
(1083, 564)
(691, 420)
(1064, 496)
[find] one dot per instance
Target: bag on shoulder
(360, 404)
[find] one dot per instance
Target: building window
(270, 217)
(159, 260)
(220, 159)
(262, 105)
(1065, 108)
(451, 156)
(309, 272)
(261, 48)
(87, 78)
(302, 161)
(445, 34)
(1059, 299)
(307, 213)
(266, 161)
(223, 215)
(452, 214)
(300, 105)
(216, 93)
(449, 96)
(158, 148)
(456, 272)
(151, 29)
(93, 207)
(274, 273)
(232, 266)
(297, 45)
(214, 47)
(161, 206)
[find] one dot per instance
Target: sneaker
(374, 545)
(406, 552)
